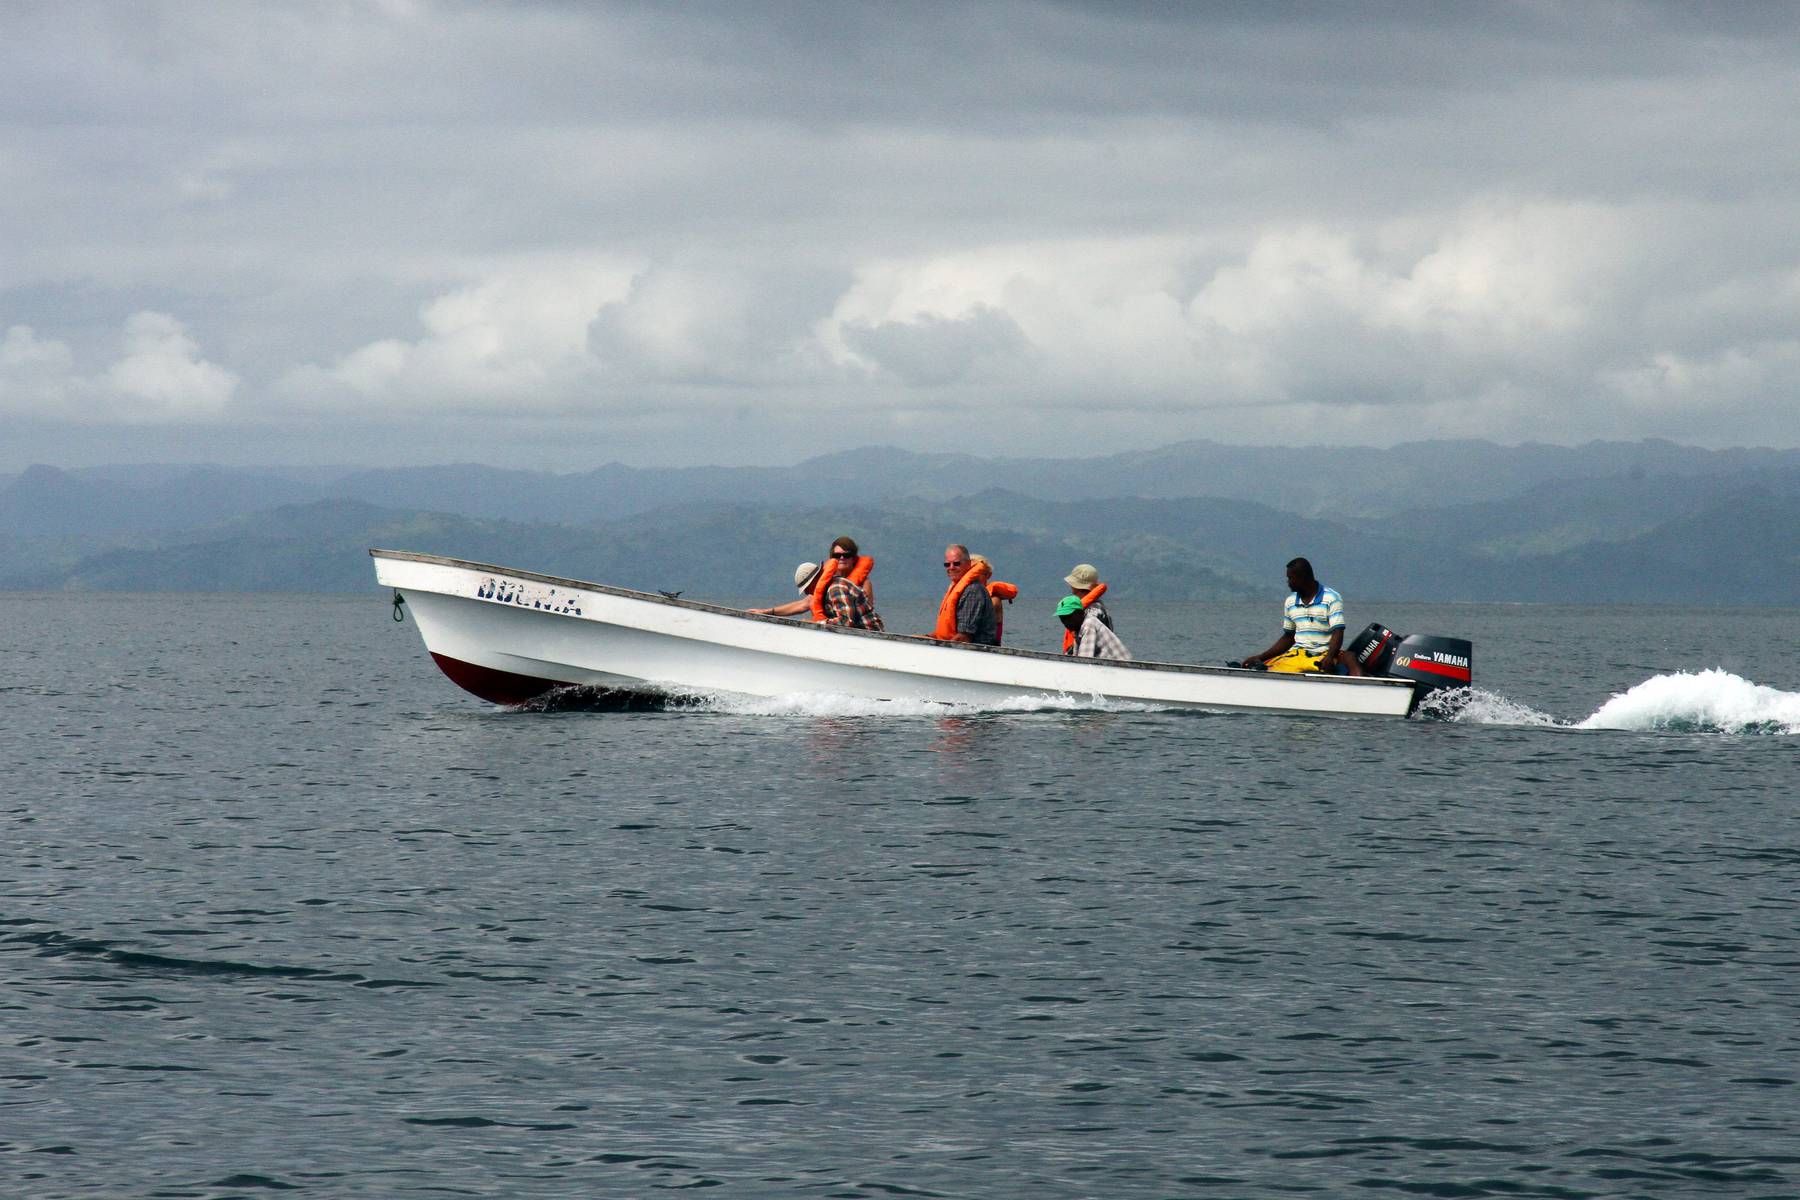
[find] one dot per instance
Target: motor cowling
(1430, 662)
(1434, 662)
(1373, 648)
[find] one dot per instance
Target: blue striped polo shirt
(1311, 624)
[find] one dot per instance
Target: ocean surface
(283, 912)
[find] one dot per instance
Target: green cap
(1067, 605)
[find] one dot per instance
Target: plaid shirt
(1097, 641)
(847, 604)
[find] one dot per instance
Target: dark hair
(1302, 565)
(849, 544)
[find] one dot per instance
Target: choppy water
(280, 910)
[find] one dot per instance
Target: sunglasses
(842, 554)
(948, 563)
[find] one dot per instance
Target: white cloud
(980, 345)
(1494, 298)
(1204, 220)
(1495, 318)
(163, 377)
(160, 377)
(34, 373)
(1551, 318)
(1710, 385)
(1303, 314)
(573, 335)
(214, 175)
(708, 325)
(1067, 317)
(517, 339)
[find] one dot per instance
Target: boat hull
(511, 636)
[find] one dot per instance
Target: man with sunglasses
(966, 613)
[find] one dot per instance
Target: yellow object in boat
(1295, 661)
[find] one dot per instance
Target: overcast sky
(560, 234)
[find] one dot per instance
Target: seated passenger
(855, 605)
(1000, 592)
(806, 578)
(1312, 619)
(1084, 581)
(966, 613)
(845, 599)
(1092, 638)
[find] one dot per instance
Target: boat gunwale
(843, 631)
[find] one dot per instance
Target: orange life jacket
(946, 622)
(1002, 593)
(859, 575)
(1098, 591)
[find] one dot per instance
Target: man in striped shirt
(1312, 619)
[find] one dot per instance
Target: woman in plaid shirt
(845, 602)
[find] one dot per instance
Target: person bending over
(1092, 638)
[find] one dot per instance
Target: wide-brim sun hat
(804, 574)
(1084, 576)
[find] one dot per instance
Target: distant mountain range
(1642, 521)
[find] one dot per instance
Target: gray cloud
(930, 350)
(686, 232)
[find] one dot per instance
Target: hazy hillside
(1675, 524)
(718, 552)
(48, 502)
(1338, 484)
(1739, 550)
(1565, 515)
(1743, 549)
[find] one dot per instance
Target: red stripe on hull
(496, 687)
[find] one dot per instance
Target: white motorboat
(512, 637)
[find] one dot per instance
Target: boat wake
(1711, 701)
(1707, 702)
(805, 704)
(813, 704)
(1472, 706)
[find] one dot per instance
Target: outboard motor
(1431, 663)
